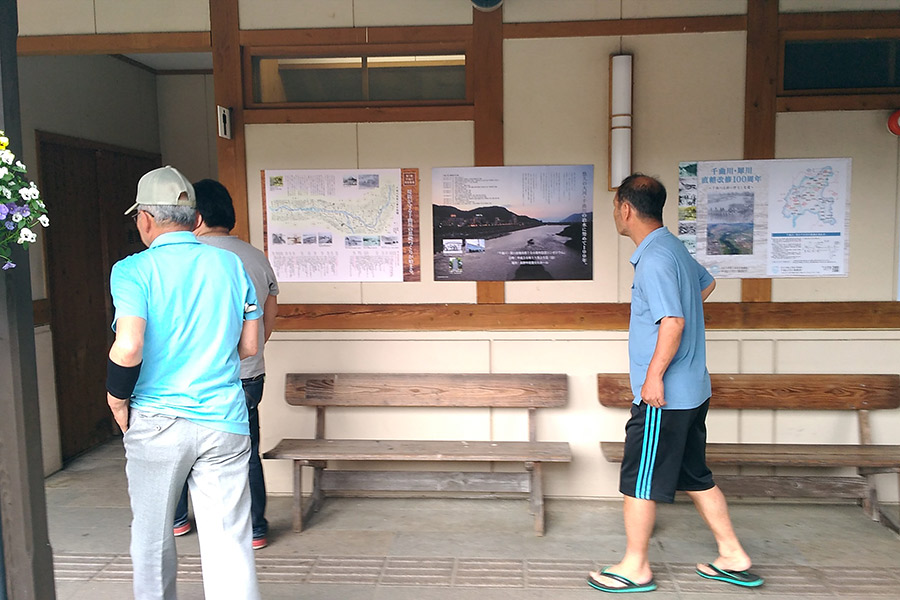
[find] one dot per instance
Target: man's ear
(198, 221)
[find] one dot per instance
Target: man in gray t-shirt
(217, 219)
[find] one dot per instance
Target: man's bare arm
(667, 342)
(270, 312)
(127, 351)
(249, 342)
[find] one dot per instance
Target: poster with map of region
(342, 225)
(767, 218)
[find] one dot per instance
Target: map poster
(513, 223)
(766, 218)
(342, 225)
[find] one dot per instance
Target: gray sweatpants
(162, 452)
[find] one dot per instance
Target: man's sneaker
(260, 543)
(180, 530)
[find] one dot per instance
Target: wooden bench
(859, 393)
(513, 391)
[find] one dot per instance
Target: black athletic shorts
(665, 450)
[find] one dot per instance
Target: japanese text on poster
(767, 218)
(342, 225)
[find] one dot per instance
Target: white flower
(44, 220)
(7, 193)
(26, 195)
(3, 172)
(26, 235)
(7, 156)
(16, 217)
(20, 165)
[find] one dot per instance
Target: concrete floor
(437, 549)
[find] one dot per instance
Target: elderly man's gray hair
(184, 216)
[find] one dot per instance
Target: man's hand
(667, 342)
(653, 392)
(119, 410)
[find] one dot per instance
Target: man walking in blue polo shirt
(186, 313)
(665, 439)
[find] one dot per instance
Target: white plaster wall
(862, 136)
(702, 120)
(301, 14)
(525, 11)
(187, 124)
(52, 17)
(555, 98)
(556, 111)
(64, 17)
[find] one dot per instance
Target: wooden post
(27, 557)
(232, 154)
(759, 106)
(487, 62)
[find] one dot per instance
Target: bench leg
(870, 502)
(318, 495)
(537, 497)
(298, 497)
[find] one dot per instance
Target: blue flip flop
(629, 585)
(741, 578)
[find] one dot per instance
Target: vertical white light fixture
(620, 82)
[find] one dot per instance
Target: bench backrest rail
(782, 391)
(470, 390)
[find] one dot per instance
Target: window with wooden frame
(356, 76)
(825, 63)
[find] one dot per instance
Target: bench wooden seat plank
(420, 450)
(476, 390)
(847, 392)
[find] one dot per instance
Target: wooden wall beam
(579, 317)
(113, 43)
(847, 102)
(384, 114)
(759, 105)
(351, 36)
(232, 154)
(486, 62)
(870, 19)
(615, 27)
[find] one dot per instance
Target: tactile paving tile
(557, 573)
(792, 581)
(79, 567)
(489, 572)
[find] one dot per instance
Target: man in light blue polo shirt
(665, 438)
(186, 314)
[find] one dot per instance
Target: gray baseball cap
(164, 187)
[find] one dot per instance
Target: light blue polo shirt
(193, 297)
(667, 283)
